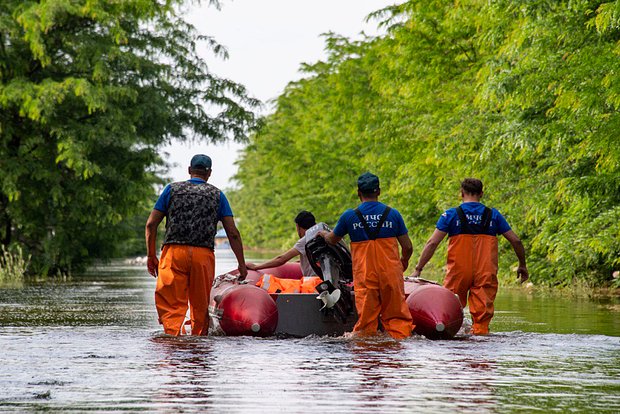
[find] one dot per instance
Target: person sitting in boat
(303, 222)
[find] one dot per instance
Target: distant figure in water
(185, 273)
(376, 231)
(303, 221)
(472, 229)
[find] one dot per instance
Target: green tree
(89, 92)
(522, 94)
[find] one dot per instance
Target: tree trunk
(5, 220)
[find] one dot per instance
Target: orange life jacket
(273, 284)
(308, 283)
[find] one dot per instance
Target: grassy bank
(13, 266)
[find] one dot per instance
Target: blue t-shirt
(164, 201)
(449, 221)
(372, 211)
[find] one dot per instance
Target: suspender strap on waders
(481, 228)
(372, 234)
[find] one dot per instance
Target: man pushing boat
(376, 230)
(472, 229)
(187, 267)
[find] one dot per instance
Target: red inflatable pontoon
(241, 309)
(436, 311)
(286, 271)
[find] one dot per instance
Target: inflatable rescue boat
(242, 308)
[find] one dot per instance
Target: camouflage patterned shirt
(192, 210)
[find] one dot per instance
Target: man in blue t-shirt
(376, 231)
(186, 269)
(472, 229)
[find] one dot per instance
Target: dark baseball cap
(368, 183)
(201, 162)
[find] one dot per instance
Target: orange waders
(380, 288)
(472, 266)
(185, 273)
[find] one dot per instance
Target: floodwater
(93, 344)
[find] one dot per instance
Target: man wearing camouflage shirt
(187, 267)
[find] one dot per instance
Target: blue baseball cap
(200, 162)
(368, 183)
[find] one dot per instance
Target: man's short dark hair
(305, 219)
(472, 186)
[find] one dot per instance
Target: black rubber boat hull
(299, 315)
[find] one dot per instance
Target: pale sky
(267, 41)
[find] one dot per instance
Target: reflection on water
(93, 343)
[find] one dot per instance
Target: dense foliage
(522, 94)
(89, 91)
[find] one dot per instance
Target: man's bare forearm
(236, 245)
(406, 254)
(150, 235)
(427, 254)
(150, 232)
(406, 250)
(429, 250)
(278, 261)
(517, 246)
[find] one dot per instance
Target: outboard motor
(333, 264)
